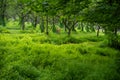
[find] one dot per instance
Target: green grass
(56, 57)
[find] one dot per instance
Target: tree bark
(73, 28)
(73, 25)
(82, 27)
(65, 24)
(22, 22)
(47, 24)
(35, 22)
(87, 27)
(98, 30)
(42, 25)
(69, 32)
(53, 23)
(2, 12)
(115, 31)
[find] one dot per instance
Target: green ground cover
(82, 56)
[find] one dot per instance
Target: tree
(23, 9)
(106, 14)
(69, 11)
(3, 4)
(42, 7)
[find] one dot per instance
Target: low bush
(29, 57)
(4, 30)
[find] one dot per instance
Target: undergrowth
(37, 57)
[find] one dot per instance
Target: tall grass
(39, 57)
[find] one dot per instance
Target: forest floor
(35, 56)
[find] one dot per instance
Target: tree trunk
(22, 23)
(78, 26)
(53, 23)
(73, 28)
(23, 26)
(35, 22)
(69, 32)
(47, 24)
(65, 24)
(2, 20)
(2, 12)
(42, 25)
(73, 25)
(98, 31)
(115, 31)
(82, 27)
(87, 27)
(65, 29)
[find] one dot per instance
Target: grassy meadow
(30, 55)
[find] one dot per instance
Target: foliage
(28, 54)
(28, 58)
(4, 30)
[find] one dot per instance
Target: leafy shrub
(32, 57)
(4, 30)
(95, 39)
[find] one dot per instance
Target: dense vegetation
(33, 57)
(59, 40)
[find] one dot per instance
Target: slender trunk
(2, 13)
(82, 27)
(69, 32)
(87, 27)
(78, 26)
(47, 24)
(22, 23)
(73, 25)
(61, 24)
(70, 27)
(115, 31)
(65, 24)
(53, 23)
(53, 19)
(73, 28)
(2, 20)
(98, 31)
(42, 25)
(35, 22)
(65, 29)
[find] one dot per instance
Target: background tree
(106, 14)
